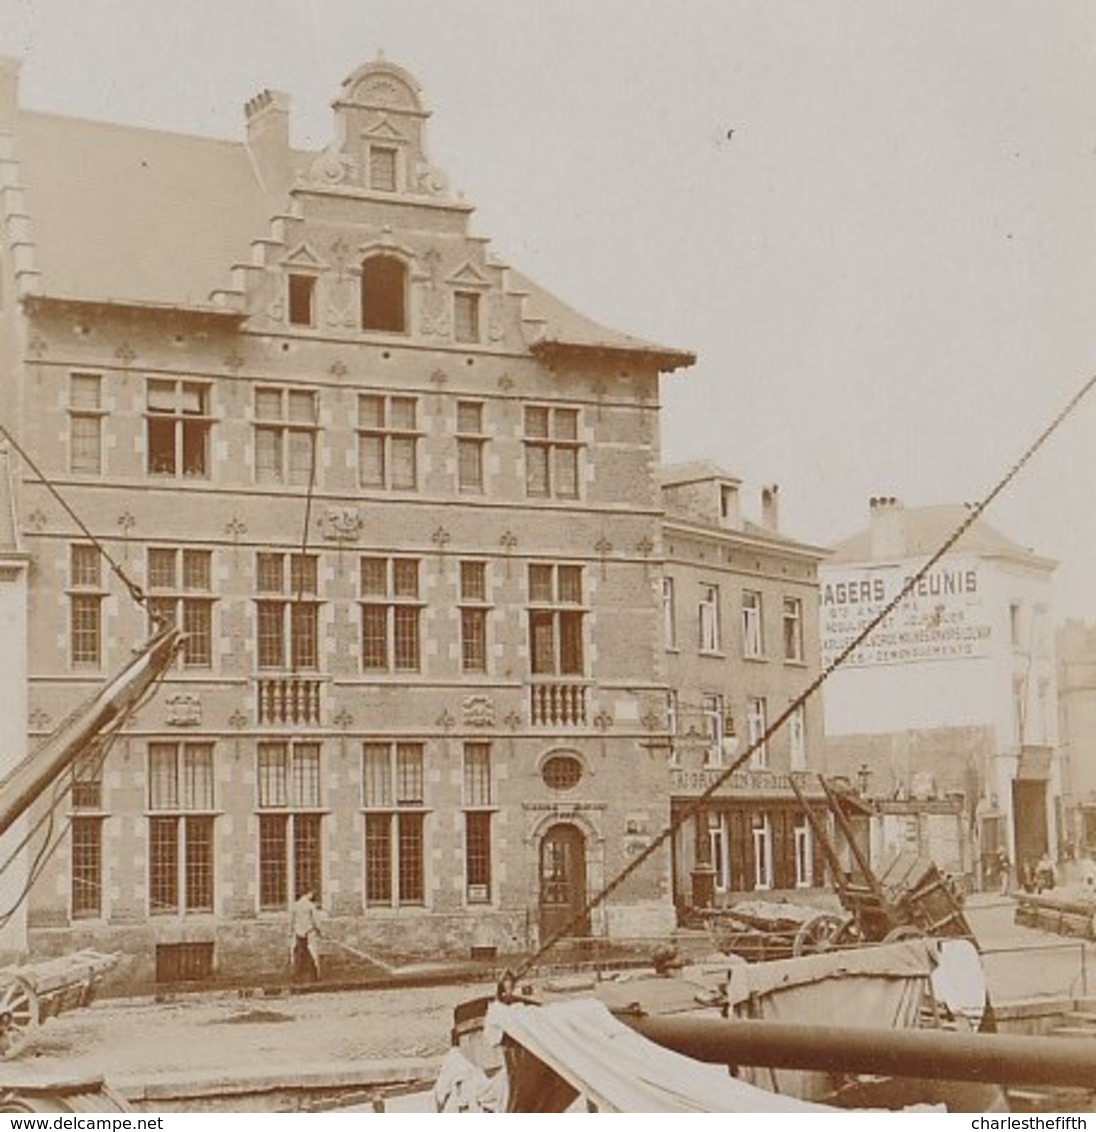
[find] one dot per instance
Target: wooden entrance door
(563, 880)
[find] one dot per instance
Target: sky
(874, 222)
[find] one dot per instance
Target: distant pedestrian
(1004, 871)
(1044, 873)
(305, 938)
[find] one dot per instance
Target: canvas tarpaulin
(616, 1070)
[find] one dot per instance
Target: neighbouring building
(402, 501)
(948, 712)
(1076, 649)
(740, 635)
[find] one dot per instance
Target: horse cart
(31, 993)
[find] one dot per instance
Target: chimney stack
(770, 507)
(268, 138)
(886, 527)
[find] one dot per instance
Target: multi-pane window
(466, 316)
(387, 442)
(301, 295)
(793, 628)
(797, 738)
(287, 610)
(85, 423)
(753, 636)
(761, 831)
(382, 168)
(85, 605)
(180, 584)
(708, 619)
(711, 707)
(471, 444)
(384, 293)
(804, 854)
(669, 614)
(395, 813)
(555, 620)
(180, 827)
(719, 850)
(290, 823)
(178, 428)
(391, 615)
(669, 722)
(552, 449)
(479, 800)
(86, 835)
(286, 421)
(756, 726)
(473, 616)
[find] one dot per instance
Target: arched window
(384, 286)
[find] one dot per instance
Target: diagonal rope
(134, 589)
(697, 805)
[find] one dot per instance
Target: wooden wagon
(32, 992)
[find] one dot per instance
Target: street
(136, 1040)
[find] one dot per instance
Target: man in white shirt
(305, 938)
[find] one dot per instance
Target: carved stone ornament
(341, 524)
(479, 711)
(332, 168)
(184, 709)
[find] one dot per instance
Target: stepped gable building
(740, 638)
(403, 503)
(949, 708)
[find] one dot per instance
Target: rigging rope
(696, 806)
(135, 590)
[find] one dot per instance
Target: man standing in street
(305, 938)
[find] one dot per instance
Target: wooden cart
(33, 992)
(910, 897)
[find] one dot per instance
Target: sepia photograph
(547, 557)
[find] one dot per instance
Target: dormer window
(466, 326)
(384, 285)
(382, 169)
(302, 291)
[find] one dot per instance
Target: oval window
(561, 772)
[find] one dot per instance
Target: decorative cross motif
(506, 383)
(344, 719)
(603, 721)
(440, 539)
(438, 379)
(38, 347)
(37, 520)
(125, 353)
(645, 546)
(235, 528)
(238, 719)
(508, 542)
(234, 361)
(445, 721)
(604, 547)
(339, 369)
(39, 720)
(127, 522)
(652, 721)
(512, 720)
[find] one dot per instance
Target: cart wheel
(819, 933)
(903, 931)
(18, 1017)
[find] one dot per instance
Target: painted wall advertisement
(942, 618)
